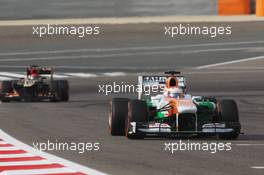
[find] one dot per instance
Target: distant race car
(38, 85)
(173, 112)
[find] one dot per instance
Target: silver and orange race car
(173, 112)
(38, 85)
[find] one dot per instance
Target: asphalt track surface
(37, 9)
(139, 48)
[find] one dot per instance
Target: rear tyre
(229, 115)
(137, 112)
(6, 87)
(117, 116)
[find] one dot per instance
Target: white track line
(257, 167)
(4, 78)
(9, 74)
(39, 171)
(64, 75)
(133, 20)
(220, 50)
(82, 75)
(230, 62)
(56, 76)
(36, 162)
(249, 144)
(257, 67)
(74, 57)
(129, 48)
(9, 148)
(15, 155)
(114, 74)
(22, 75)
(121, 54)
(49, 157)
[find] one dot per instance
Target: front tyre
(64, 90)
(117, 116)
(229, 115)
(56, 91)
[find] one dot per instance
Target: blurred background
(38, 9)
(43, 9)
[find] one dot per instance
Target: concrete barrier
(234, 7)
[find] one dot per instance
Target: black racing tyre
(117, 116)
(64, 90)
(229, 115)
(6, 87)
(56, 91)
(137, 112)
(229, 111)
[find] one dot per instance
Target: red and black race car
(38, 85)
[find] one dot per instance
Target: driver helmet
(33, 73)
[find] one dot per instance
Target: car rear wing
(157, 81)
(45, 71)
(42, 71)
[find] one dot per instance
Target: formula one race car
(173, 112)
(38, 85)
